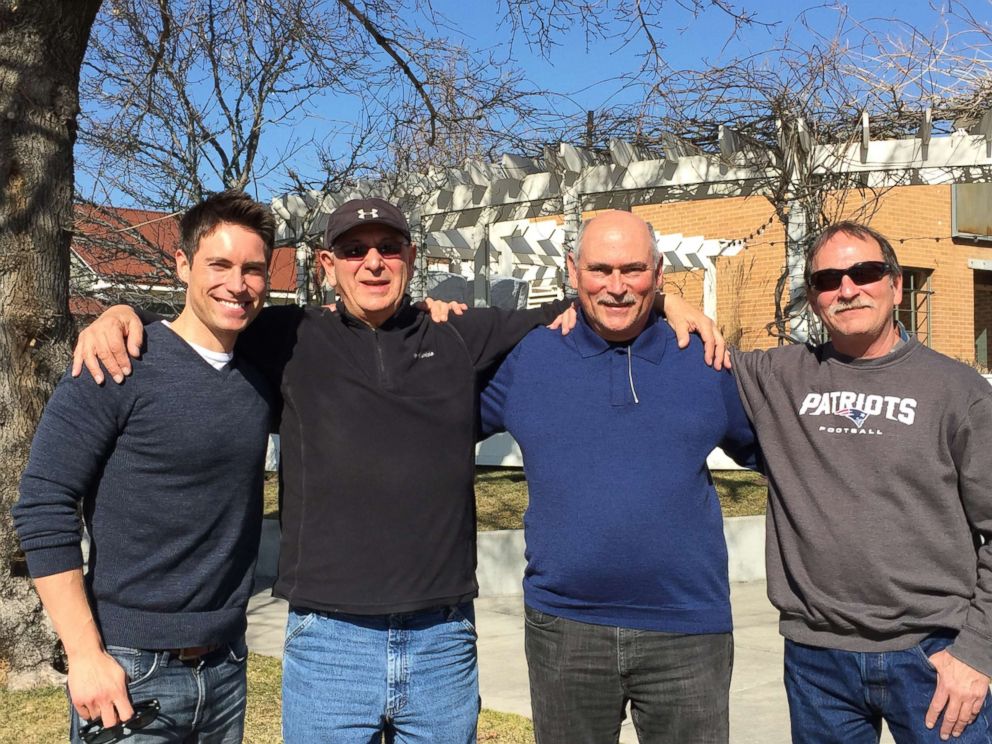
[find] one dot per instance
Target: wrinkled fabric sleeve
(495, 397)
(76, 434)
(971, 446)
(491, 333)
(753, 373)
(740, 441)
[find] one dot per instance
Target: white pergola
(483, 218)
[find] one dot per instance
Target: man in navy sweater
(626, 587)
(168, 471)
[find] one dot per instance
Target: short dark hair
(858, 230)
(232, 207)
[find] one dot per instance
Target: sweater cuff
(974, 650)
(49, 561)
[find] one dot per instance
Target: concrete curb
(501, 555)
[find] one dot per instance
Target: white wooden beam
(926, 126)
(624, 153)
(677, 149)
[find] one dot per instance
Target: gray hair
(859, 231)
(655, 248)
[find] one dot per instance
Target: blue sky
(583, 76)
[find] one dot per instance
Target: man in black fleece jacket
(168, 471)
(377, 430)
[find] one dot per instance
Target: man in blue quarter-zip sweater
(626, 588)
(168, 471)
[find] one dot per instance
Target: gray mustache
(625, 301)
(841, 307)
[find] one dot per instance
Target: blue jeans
(201, 701)
(583, 675)
(348, 679)
(843, 696)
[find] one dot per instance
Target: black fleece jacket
(378, 428)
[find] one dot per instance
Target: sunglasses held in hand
(144, 713)
(865, 272)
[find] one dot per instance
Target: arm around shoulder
(109, 342)
(491, 333)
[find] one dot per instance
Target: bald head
(629, 222)
(616, 269)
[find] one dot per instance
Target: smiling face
(858, 317)
(616, 276)
(226, 284)
(370, 286)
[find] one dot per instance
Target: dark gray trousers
(582, 677)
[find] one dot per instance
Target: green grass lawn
(501, 495)
(42, 716)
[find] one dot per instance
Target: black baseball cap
(357, 212)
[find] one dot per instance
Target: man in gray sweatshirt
(879, 456)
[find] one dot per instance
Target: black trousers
(582, 676)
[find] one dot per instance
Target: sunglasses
(144, 713)
(358, 251)
(865, 272)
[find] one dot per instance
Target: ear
(897, 289)
(326, 259)
(182, 266)
(659, 275)
(412, 259)
(573, 272)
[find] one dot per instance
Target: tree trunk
(42, 43)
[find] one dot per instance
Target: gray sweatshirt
(880, 496)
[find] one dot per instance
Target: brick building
(947, 280)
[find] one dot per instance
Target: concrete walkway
(758, 709)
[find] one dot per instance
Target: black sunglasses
(358, 251)
(865, 272)
(144, 713)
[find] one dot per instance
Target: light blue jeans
(841, 697)
(348, 679)
(201, 701)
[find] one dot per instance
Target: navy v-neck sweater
(168, 468)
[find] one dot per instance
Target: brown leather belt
(193, 653)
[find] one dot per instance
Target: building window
(914, 310)
(983, 316)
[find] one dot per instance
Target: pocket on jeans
(138, 665)
(297, 622)
(538, 619)
(930, 646)
(237, 651)
(462, 617)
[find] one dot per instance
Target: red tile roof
(81, 306)
(127, 245)
(138, 246)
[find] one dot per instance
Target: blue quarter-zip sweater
(624, 527)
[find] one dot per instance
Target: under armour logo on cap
(357, 212)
